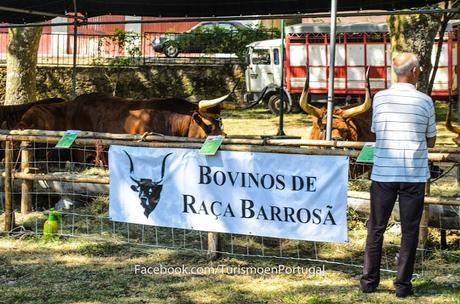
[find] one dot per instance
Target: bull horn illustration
(449, 126)
(362, 108)
(303, 102)
(163, 169)
(131, 168)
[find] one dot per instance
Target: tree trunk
(416, 34)
(21, 65)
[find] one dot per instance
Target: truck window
(261, 57)
(276, 56)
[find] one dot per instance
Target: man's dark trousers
(383, 197)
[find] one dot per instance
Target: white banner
(275, 195)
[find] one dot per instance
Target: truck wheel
(274, 104)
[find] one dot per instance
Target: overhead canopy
(190, 8)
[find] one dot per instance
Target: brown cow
(452, 128)
(349, 123)
(168, 116)
(11, 115)
(102, 113)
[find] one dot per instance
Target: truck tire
(274, 104)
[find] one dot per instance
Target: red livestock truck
(359, 46)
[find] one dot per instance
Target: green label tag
(211, 145)
(67, 140)
(367, 153)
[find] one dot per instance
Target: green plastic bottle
(50, 228)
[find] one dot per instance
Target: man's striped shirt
(402, 120)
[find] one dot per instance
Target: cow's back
(10, 116)
(103, 113)
(51, 117)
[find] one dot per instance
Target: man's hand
(430, 142)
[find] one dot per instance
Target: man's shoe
(405, 294)
(367, 289)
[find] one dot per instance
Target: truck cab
(263, 75)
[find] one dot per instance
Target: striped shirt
(402, 120)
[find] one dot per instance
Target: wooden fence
(238, 143)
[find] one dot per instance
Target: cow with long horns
(103, 113)
(349, 123)
(452, 128)
(149, 190)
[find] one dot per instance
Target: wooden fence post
(9, 222)
(26, 185)
(423, 230)
(214, 247)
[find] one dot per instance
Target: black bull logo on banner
(149, 191)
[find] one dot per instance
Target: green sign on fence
(211, 145)
(67, 140)
(367, 153)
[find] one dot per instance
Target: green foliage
(223, 40)
(128, 46)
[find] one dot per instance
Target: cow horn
(206, 104)
(362, 108)
(163, 168)
(303, 102)
(131, 168)
(449, 126)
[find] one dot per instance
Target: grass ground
(260, 121)
(84, 270)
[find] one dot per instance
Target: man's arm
(431, 128)
(431, 141)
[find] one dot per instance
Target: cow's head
(149, 190)
(452, 128)
(207, 119)
(343, 126)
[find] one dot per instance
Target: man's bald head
(404, 63)
(406, 67)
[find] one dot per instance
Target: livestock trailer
(360, 46)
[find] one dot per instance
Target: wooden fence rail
(243, 143)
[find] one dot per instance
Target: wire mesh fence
(131, 49)
(76, 181)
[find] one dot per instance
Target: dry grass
(85, 271)
(260, 121)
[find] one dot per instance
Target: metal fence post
(26, 185)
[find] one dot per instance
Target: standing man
(404, 123)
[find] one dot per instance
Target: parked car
(203, 37)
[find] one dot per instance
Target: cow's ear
(134, 188)
(4, 125)
(197, 118)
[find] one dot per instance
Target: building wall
(166, 26)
